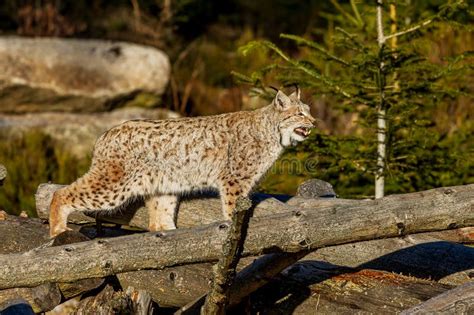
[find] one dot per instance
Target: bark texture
(224, 271)
(306, 229)
(318, 288)
(109, 301)
(459, 300)
(19, 234)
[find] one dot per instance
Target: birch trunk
(381, 112)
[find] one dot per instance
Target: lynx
(160, 160)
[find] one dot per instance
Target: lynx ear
(281, 101)
(296, 94)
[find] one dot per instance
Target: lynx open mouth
(303, 131)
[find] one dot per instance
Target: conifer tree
(375, 67)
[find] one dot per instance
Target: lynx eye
(301, 114)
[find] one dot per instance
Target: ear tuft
(296, 94)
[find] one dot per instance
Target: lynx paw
(53, 232)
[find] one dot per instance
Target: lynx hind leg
(230, 191)
(93, 191)
(162, 212)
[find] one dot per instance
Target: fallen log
(72, 289)
(419, 255)
(177, 286)
(18, 234)
(307, 229)
(459, 300)
(317, 288)
(109, 301)
(252, 277)
(192, 211)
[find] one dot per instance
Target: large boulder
(38, 74)
(75, 132)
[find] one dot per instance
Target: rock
(76, 133)
(38, 74)
(316, 188)
(3, 173)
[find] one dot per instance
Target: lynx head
(295, 120)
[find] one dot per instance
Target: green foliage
(32, 158)
(409, 87)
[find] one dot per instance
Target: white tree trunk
(381, 115)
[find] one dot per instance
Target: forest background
(225, 55)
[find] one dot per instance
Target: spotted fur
(162, 159)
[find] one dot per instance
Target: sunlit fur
(161, 160)
(294, 114)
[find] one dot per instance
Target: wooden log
(174, 287)
(193, 210)
(317, 288)
(109, 301)
(459, 300)
(224, 271)
(424, 255)
(19, 234)
(171, 287)
(307, 229)
(193, 282)
(252, 277)
(204, 210)
(72, 289)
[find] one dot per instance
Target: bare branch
(409, 30)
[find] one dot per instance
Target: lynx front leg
(162, 212)
(58, 213)
(230, 191)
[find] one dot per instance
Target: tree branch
(409, 30)
(224, 271)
